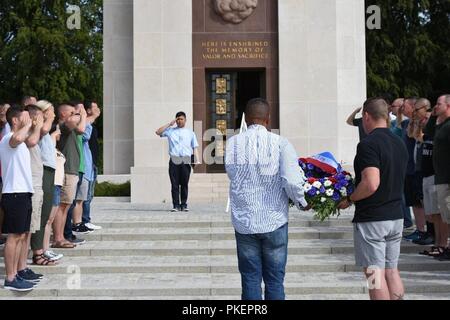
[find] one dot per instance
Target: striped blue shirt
(264, 173)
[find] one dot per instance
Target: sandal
(434, 251)
(63, 245)
(437, 252)
(42, 260)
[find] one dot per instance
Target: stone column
(162, 86)
(118, 86)
(322, 74)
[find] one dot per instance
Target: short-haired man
(93, 112)
(264, 174)
(380, 167)
(441, 163)
(357, 122)
(17, 192)
(182, 144)
(87, 176)
(71, 124)
(4, 130)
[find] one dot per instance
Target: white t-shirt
(16, 167)
(59, 172)
(6, 129)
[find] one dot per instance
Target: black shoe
(445, 256)
(76, 241)
(425, 239)
(184, 208)
(81, 229)
(29, 275)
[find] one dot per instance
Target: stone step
(186, 223)
(347, 296)
(213, 248)
(216, 285)
(147, 234)
(223, 264)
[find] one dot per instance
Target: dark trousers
(179, 172)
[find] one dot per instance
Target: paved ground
(145, 252)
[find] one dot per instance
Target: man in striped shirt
(264, 173)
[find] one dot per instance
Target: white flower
(329, 192)
(348, 177)
(327, 183)
(307, 187)
(323, 199)
(317, 184)
(317, 192)
(343, 192)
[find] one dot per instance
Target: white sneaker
(53, 256)
(92, 226)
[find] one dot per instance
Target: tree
(409, 55)
(40, 55)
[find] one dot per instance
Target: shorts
(36, 202)
(413, 190)
(378, 243)
(82, 190)
(430, 202)
(17, 208)
(57, 196)
(443, 196)
(69, 189)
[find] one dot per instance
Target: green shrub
(107, 189)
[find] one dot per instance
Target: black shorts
(414, 190)
(17, 208)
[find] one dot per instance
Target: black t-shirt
(410, 144)
(383, 150)
(359, 123)
(427, 151)
(441, 153)
(93, 145)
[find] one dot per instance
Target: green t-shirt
(80, 148)
(68, 145)
(441, 153)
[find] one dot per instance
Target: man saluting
(182, 144)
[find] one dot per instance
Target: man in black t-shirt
(380, 168)
(352, 121)
(441, 162)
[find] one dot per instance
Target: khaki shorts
(69, 189)
(82, 190)
(443, 195)
(36, 203)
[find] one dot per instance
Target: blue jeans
(262, 257)
(87, 204)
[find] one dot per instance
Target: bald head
(257, 111)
